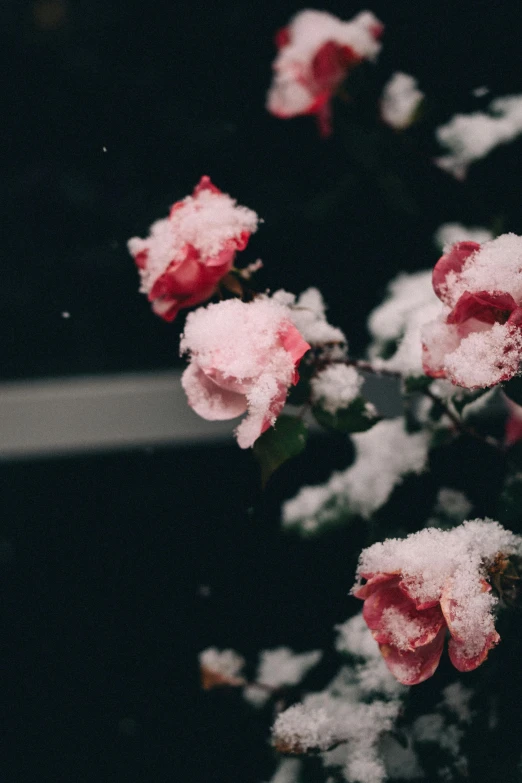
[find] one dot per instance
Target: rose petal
(209, 400)
(487, 307)
(293, 342)
(462, 660)
(374, 582)
(438, 340)
(413, 667)
(393, 619)
(453, 261)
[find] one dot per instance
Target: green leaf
(286, 439)
(463, 398)
(513, 389)
(357, 417)
(416, 383)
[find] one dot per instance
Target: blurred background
(116, 567)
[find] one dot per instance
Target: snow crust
(207, 221)
(469, 137)
(308, 313)
(410, 304)
(277, 668)
(452, 503)
(433, 561)
(456, 699)
(496, 266)
(354, 710)
(384, 455)
(227, 663)
(336, 387)
(400, 100)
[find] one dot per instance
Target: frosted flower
(243, 358)
(186, 255)
(316, 52)
(220, 667)
(419, 587)
(476, 341)
(400, 100)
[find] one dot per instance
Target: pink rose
(243, 358)
(316, 52)
(477, 340)
(411, 632)
(186, 255)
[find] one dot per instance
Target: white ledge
(60, 416)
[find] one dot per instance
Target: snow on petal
(446, 572)
(316, 52)
(186, 255)
(243, 356)
(476, 341)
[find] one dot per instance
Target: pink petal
(328, 67)
(413, 667)
(374, 582)
(451, 262)
(515, 319)
(465, 662)
(409, 590)
(438, 340)
(282, 37)
(394, 620)
(208, 399)
(225, 258)
(205, 183)
(293, 342)
(486, 307)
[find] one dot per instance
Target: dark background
(103, 558)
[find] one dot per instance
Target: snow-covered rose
(477, 340)
(186, 255)
(431, 582)
(243, 358)
(316, 52)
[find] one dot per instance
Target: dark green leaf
(286, 439)
(463, 398)
(513, 389)
(357, 417)
(416, 383)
